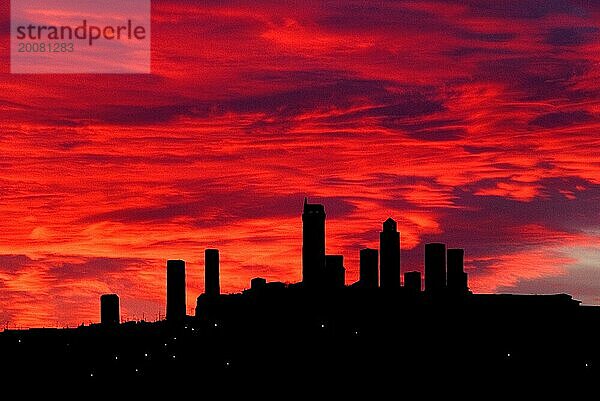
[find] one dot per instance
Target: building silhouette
(212, 285)
(457, 278)
(369, 272)
(389, 248)
(110, 313)
(412, 282)
(175, 290)
(335, 273)
(435, 268)
(258, 283)
(313, 244)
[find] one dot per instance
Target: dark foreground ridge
(375, 333)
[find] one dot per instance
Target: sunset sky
(474, 122)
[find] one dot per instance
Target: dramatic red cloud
(469, 122)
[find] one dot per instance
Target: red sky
(473, 123)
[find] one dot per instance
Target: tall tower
(313, 244)
(369, 274)
(212, 286)
(110, 313)
(457, 278)
(389, 248)
(435, 268)
(175, 290)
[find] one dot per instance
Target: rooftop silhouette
(323, 325)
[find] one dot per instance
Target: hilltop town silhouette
(377, 331)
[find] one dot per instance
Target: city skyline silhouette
(443, 270)
(240, 334)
